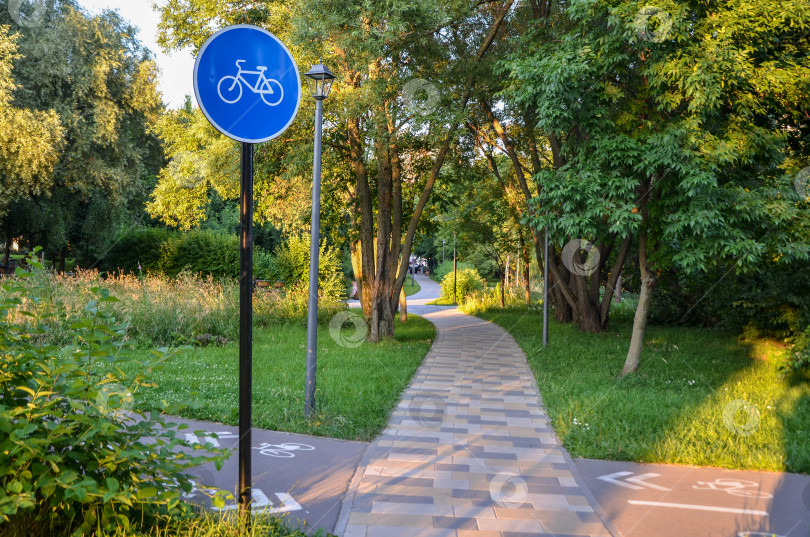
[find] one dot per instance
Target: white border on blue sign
(197, 91)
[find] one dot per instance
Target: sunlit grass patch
(701, 397)
(358, 383)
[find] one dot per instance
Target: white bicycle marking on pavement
(285, 450)
(735, 487)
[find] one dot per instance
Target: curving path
(469, 450)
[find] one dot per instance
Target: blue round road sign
(247, 83)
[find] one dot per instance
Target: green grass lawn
(672, 410)
(411, 288)
(357, 388)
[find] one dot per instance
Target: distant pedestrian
(353, 294)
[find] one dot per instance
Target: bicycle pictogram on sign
(270, 89)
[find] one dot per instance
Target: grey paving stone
(431, 473)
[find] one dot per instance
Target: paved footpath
(469, 450)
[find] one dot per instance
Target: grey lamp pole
(320, 80)
(545, 293)
(443, 241)
(454, 268)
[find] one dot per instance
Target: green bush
(447, 268)
(467, 281)
(75, 456)
(262, 264)
(487, 299)
(291, 305)
(774, 303)
(291, 266)
(203, 252)
(140, 247)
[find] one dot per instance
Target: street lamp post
(320, 80)
(454, 268)
(545, 291)
(443, 241)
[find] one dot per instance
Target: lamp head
(320, 80)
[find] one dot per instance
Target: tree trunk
(647, 284)
(526, 271)
(403, 306)
(62, 255)
(7, 249)
(382, 315)
(357, 268)
(617, 291)
(639, 325)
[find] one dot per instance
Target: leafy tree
(30, 139)
(101, 84)
(384, 154)
(676, 125)
(385, 52)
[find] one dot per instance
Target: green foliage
(466, 282)
(29, 139)
(72, 455)
(488, 299)
(159, 251)
(799, 357)
(200, 252)
(99, 88)
(136, 250)
(228, 523)
(719, 150)
(774, 303)
(262, 264)
(447, 268)
(291, 305)
(291, 266)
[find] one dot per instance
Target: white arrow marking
(639, 480)
(287, 504)
(192, 439)
(261, 503)
(612, 478)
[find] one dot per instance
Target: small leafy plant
(466, 282)
(75, 458)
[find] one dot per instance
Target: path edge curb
(351, 492)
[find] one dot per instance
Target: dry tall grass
(168, 311)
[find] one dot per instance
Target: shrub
(262, 264)
(291, 305)
(137, 247)
(204, 252)
(447, 268)
(74, 458)
(201, 252)
(291, 266)
(467, 281)
(485, 299)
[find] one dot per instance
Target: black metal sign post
(245, 330)
(247, 115)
